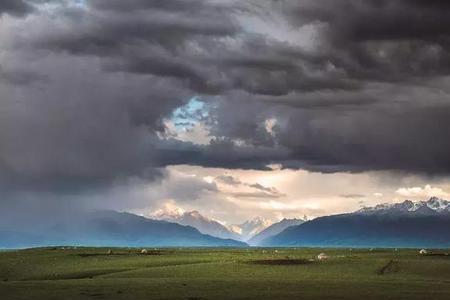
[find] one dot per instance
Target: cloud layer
(87, 87)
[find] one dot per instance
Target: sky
(238, 109)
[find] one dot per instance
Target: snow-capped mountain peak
(251, 227)
(195, 219)
(438, 205)
(168, 213)
(210, 226)
(433, 205)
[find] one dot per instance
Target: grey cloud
(81, 128)
(382, 40)
(228, 179)
(17, 8)
(270, 190)
(262, 191)
(193, 45)
(20, 77)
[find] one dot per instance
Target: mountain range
(407, 224)
(114, 229)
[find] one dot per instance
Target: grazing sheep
(322, 256)
(423, 252)
(144, 251)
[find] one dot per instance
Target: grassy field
(87, 273)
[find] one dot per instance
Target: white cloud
(419, 192)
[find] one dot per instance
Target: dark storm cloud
(134, 5)
(20, 77)
(396, 54)
(86, 86)
(17, 8)
(381, 40)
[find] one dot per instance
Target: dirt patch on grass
(281, 262)
(391, 267)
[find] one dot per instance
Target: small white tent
(423, 252)
(322, 256)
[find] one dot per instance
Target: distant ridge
(407, 224)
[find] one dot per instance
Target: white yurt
(322, 256)
(423, 252)
(144, 251)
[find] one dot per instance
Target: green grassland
(247, 273)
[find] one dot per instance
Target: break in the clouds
(95, 93)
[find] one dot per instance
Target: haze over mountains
(407, 224)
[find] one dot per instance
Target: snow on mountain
(432, 206)
(169, 212)
(274, 229)
(242, 232)
(250, 228)
(197, 220)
